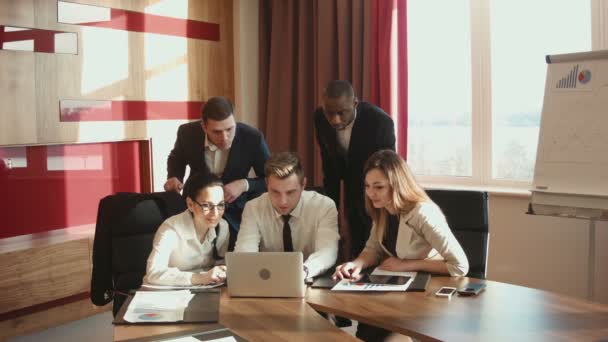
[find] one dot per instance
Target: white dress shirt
(423, 234)
(343, 135)
(176, 250)
(215, 158)
(314, 230)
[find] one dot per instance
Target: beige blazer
(423, 234)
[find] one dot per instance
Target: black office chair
(126, 224)
(467, 215)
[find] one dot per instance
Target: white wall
(548, 253)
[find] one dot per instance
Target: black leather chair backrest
(467, 216)
(132, 242)
(126, 224)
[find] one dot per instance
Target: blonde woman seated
(409, 232)
(191, 241)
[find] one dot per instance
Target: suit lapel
(332, 138)
(358, 130)
(199, 156)
(233, 155)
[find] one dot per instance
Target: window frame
(481, 92)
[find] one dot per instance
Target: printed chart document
(194, 339)
(158, 306)
(185, 287)
(378, 280)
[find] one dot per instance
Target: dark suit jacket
(248, 150)
(373, 130)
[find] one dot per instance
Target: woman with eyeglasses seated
(409, 232)
(189, 242)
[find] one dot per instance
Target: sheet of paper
(158, 306)
(378, 271)
(175, 287)
(194, 339)
(151, 316)
(347, 285)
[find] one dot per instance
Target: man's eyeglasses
(208, 206)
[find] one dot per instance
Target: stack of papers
(378, 280)
(158, 306)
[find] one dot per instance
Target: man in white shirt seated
(288, 218)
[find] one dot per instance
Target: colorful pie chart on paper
(150, 317)
(584, 76)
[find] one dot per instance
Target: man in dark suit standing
(220, 145)
(348, 132)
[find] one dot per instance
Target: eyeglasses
(208, 206)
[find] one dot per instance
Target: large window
(439, 86)
(476, 84)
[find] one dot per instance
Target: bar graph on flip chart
(569, 80)
(572, 156)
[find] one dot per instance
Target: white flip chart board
(572, 157)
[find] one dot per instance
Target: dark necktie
(287, 244)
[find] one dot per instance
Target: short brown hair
(217, 108)
(283, 165)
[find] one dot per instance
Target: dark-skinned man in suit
(229, 149)
(348, 132)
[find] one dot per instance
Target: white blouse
(176, 250)
(423, 234)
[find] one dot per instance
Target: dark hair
(283, 165)
(339, 88)
(198, 182)
(217, 108)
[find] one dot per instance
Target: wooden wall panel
(39, 275)
(17, 76)
(120, 65)
(18, 110)
(17, 12)
(220, 55)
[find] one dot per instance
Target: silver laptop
(265, 274)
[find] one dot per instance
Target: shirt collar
(187, 231)
(350, 125)
(296, 212)
(211, 146)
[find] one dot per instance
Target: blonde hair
(405, 190)
(283, 165)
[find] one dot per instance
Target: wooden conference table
(255, 319)
(502, 312)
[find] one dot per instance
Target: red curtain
(306, 43)
(389, 63)
(303, 45)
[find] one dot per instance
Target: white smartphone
(445, 292)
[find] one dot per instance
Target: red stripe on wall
(151, 23)
(44, 40)
(59, 186)
(132, 110)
